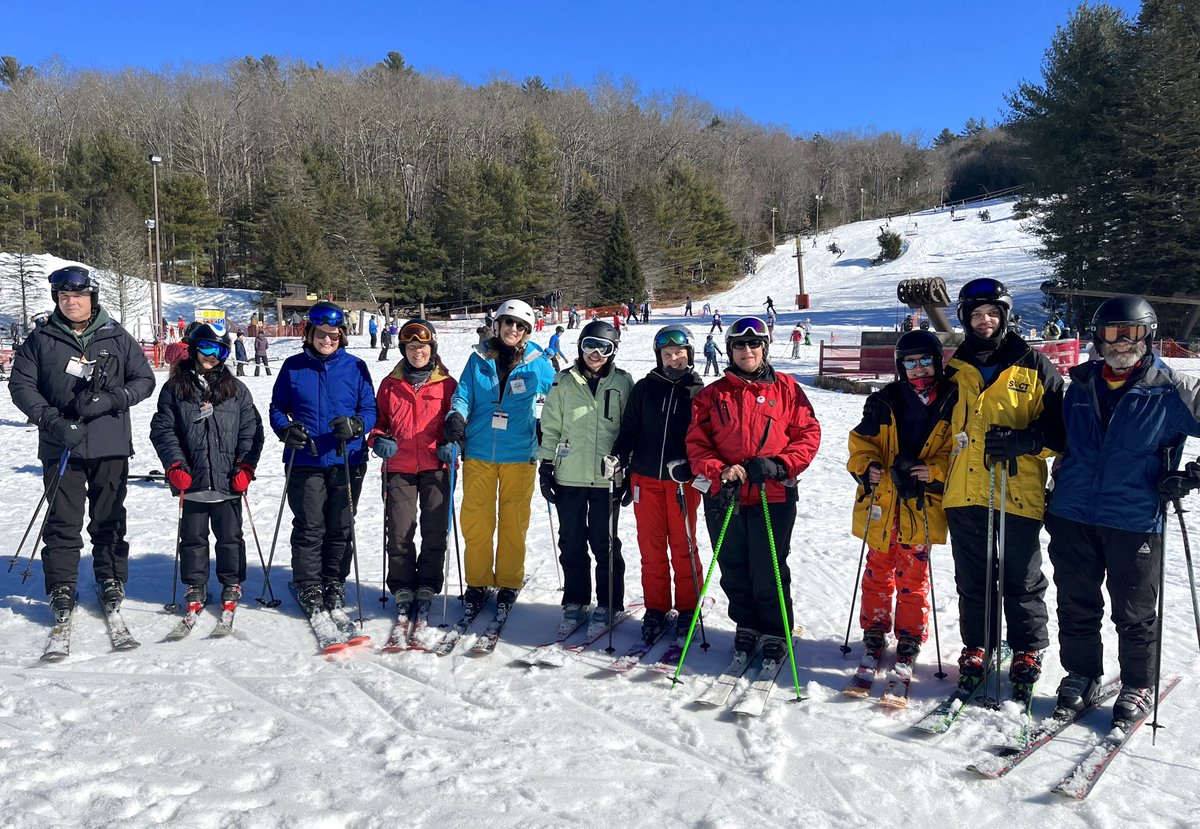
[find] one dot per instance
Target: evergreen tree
(105, 170)
(419, 266)
(190, 227)
(291, 249)
(588, 224)
(118, 250)
(620, 274)
(540, 180)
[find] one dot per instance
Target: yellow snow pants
(504, 564)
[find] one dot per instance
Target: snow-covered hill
(256, 731)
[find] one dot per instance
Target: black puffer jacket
(210, 447)
(655, 423)
(42, 389)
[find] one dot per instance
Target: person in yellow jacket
(900, 454)
(1008, 415)
(580, 422)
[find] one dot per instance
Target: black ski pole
(990, 577)
(1000, 548)
(383, 599)
(1187, 555)
(274, 602)
(62, 466)
(353, 543)
(55, 486)
(287, 477)
(612, 543)
(1158, 627)
(174, 605)
(862, 556)
(937, 642)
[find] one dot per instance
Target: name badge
(876, 512)
(79, 367)
(206, 410)
(517, 385)
(500, 421)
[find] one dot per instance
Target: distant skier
(711, 352)
(716, 322)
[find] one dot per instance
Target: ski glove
(93, 404)
(680, 471)
(295, 435)
(455, 429)
(1002, 444)
(384, 447)
(907, 487)
(546, 481)
(446, 452)
(1174, 485)
(240, 481)
(762, 469)
(728, 495)
(179, 478)
(346, 428)
(67, 432)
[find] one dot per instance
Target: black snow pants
(101, 483)
(423, 496)
(225, 518)
(321, 522)
(584, 520)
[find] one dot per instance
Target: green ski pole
(787, 625)
(712, 567)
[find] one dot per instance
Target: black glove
(907, 487)
(546, 481)
(761, 469)
(1002, 444)
(294, 435)
(1174, 485)
(865, 478)
(680, 472)
(728, 495)
(93, 404)
(346, 428)
(623, 492)
(67, 432)
(455, 429)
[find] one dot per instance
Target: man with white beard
(1127, 416)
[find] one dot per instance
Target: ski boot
(231, 594)
(112, 593)
(1132, 705)
(652, 625)
(62, 602)
(745, 641)
(1075, 692)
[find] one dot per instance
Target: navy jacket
(314, 392)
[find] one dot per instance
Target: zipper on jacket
(662, 454)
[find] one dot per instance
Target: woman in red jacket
(413, 402)
(753, 431)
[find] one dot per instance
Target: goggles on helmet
(212, 349)
(325, 315)
(748, 327)
(673, 337)
(1133, 332)
(910, 363)
(72, 280)
(415, 332)
(984, 289)
(596, 345)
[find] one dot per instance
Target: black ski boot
(907, 650)
(1132, 704)
(195, 597)
(404, 603)
(745, 641)
(423, 603)
(62, 601)
(652, 625)
(112, 593)
(774, 649)
(311, 597)
(506, 597)
(475, 598)
(1075, 692)
(231, 594)
(334, 595)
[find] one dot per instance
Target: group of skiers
(953, 448)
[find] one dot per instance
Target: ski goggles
(72, 280)
(1131, 331)
(212, 349)
(910, 363)
(326, 316)
(673, 337)
(982, 290)
(596, 345)
(415, 332)
(742, 345)
(748, 327)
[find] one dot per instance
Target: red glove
(179, 478)
(240, 482)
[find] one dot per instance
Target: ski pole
(174, 605)
(1000, 547)
(1187, 555)
(553, 543)
(862, 556)
(353, 543)
(48, 493)
(383, 577)
(937, 642)
(449, 531)
(989, 570)
(694, 562)
(62, 466)
(787, 624)
(274, 602)
(287, 477)
(612, 543)
(1162, 589)
(712, 567)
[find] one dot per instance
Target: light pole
(774, 210)
(409, 175)
(897, 188)
(156, 160)
(818, 231)
(862, 203)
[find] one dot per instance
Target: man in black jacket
(76, 378)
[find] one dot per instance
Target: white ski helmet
(516, 309)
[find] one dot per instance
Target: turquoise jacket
(479, 399)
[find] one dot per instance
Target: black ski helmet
(601, 330)
(984, 291)
(74, 278)
(918, 342)
(419, 331)
(207, 332)
(1125, 310)
(677, 335)
(748, 328)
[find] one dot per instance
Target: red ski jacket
(734, 420)
(414, 417)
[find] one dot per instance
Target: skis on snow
(552, 653)
(58, 647)
(721, 688)
(640, 649)
(754, 701)
(118, 632)
(444, 647)
(486, 643)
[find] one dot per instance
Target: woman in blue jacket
(494, 415)
(322, 405)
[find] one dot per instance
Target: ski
(640, 649)
(329, 636)
(486, 643)
(552, 653)
(994, 767)
(58, 647)
(118, 632)
(864, 678)
(224, 626)
(940, 719)
(181, 630)
(721, 689)
(895, 694)
(754, 701)
(398, 639)
(446, 645)
(351, 633)
(1080, 782)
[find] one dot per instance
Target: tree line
(380, 181)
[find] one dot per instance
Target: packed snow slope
(256, 730)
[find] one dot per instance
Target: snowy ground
(256, 731)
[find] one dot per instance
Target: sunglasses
(72, 280)
(910, 363)
(515, 322)
(327, 335)
(1133, 332)
(749, 327)
(596, 345)
(674, 337)
(415, 332)
(326, 316)
(742, 345)
(211, 349)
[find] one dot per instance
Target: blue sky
(812, 67)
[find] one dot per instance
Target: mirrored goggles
(212, 349)
(674, 337)
(749, 327)
(742, 345)
(596, 345)
(982, 289)
(1133, 332)
(415, 332)
(326, 316)
(72, 280)
(910, 363)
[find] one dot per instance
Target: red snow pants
(901, 570)
(660, 519)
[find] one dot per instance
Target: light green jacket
(589, 423)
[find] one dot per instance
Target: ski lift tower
(801, 297)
